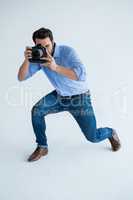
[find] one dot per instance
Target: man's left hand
(51, 64)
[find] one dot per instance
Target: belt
(73, 96)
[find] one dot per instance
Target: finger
(28, 51)
(48, 53)
(45, 64)
(27, 47)
(29, 56)
(45, 58)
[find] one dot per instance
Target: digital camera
(38, 52)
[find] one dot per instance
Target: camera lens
(37, 53)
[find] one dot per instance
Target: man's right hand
(28, 53)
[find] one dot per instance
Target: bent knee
(37, 111)
(34, 111)
(91, 137)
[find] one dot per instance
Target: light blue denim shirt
(67, 57)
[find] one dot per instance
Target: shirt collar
(56, 51)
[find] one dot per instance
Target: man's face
(45, 43)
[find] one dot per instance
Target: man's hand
(51, 64)
(27, 53)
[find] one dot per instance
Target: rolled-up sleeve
(76, 64)
(33, 68)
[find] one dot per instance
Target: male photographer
(67, 73)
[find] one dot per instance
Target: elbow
(19, 78)
(80, 77)
(80, 73)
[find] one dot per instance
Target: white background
(102, 33)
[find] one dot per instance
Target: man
(67, 74)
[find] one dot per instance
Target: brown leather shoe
(115, 141)
(38, 153)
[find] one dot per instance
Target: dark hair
(42, 33)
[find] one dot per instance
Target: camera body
(38, 52)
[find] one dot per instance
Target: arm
(75, 69)
(75, 63)
(66, 71)
(27, 69)
(59, 69)
(23, 70)
(25, 65)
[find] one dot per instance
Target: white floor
(73, 169)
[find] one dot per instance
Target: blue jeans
(79, 107)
